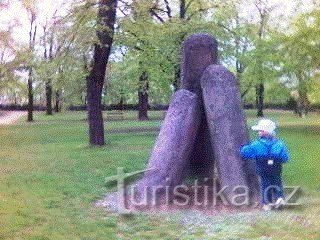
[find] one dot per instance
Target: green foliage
(148, 39)
(11, 59)
(156, 46)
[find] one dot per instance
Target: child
(270, 153)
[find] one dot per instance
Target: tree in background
(95, 80)
(48, 56)
(30, 7)
(13, 58)
(145, 58)
(7, 55)
(299, 49)
(153, 31)
(52, 47)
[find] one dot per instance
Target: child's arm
(248, 151)
(284, 154)
(280, 152)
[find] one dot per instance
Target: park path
(10, 117)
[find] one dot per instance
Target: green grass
(79, 119)
(49, 179)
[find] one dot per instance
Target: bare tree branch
(153, 13)
(168, 8)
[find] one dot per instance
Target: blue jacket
(264, 149)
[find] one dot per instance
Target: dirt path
(10, 117)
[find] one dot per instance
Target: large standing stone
(198, 52)
(228, 130)
(175, 142)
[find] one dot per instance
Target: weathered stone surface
(175, 142)
(228, 130)
(204, 122)
(198, 52)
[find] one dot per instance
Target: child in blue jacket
(269, 153)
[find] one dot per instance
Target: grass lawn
(49, 179)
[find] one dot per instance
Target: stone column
(198, 52)
(228, 131)
(174, 145)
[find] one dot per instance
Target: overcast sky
(45, 9)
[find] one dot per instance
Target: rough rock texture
(173, 147)
(198, 52)
(228, 130)
(204, 126)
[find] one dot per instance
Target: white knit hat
(265, 125)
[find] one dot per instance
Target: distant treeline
(134, 107)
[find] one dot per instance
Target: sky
(46, 9)
(15, 13)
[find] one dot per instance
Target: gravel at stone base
(224, 225)
(219, 224)
(230, 224)
(109, 202)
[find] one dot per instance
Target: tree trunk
(30, 96)
(260, 86)
(95, 80)
(48, 84)
(95, 118)
(121, 102)
(177, 67)
(32, 40)
(143, 97)
(228, 131)
(49, 97)
(177, 75)
(302, 104)
(302, 101)
(260, 99)
(183, 10)
(57, 107)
